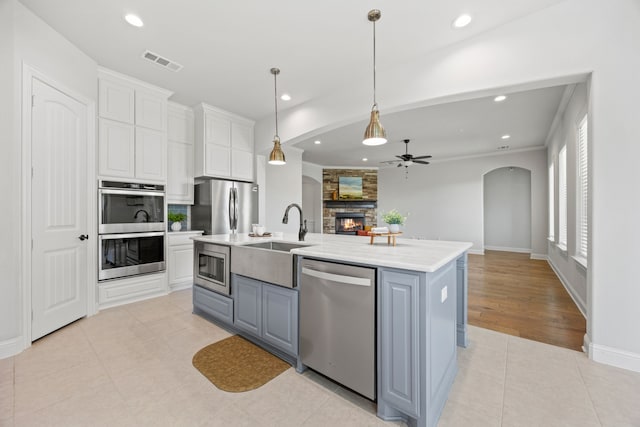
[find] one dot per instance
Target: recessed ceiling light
(285, 97)
(462, 21)
(364, 159)
(507, 136)
(134, 20)
(499, 98)
(317, 142)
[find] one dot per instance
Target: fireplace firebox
(349, 222)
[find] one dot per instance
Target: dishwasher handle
(337, 278)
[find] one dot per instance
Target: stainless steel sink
(270, 262)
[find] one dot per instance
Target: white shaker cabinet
(151, 155)
(180, 128)
(116, 148)
(180, 259)
(133, 126)
(224, 144)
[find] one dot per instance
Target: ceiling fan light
(277, 155)
(374, 134)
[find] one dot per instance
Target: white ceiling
(228, 47)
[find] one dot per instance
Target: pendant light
(374, 134)
(277, 155)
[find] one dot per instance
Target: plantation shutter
(583, 190)
(562, 197)
(552, 225)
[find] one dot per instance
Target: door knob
(83, 237)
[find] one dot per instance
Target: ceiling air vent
(163, 62)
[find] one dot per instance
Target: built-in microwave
(130, 207)
(211, 267)
(128, 254)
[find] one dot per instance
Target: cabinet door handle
(337, 278)
(83, 236)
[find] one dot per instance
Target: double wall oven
(131, 229)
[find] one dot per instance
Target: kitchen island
(420, 313)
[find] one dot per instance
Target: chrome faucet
(303, 229)
(146, 215)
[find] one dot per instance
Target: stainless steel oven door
(130, 211)
(211, 267)
(122, 255)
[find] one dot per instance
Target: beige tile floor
(131, 366)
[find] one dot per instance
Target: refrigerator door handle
(235, 208)
(231, 209)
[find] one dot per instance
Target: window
(552, 225)
(562, 198)
(582, 222)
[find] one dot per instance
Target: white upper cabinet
(151, 155)
(116, 101)
(132, 139)
(224, 144)
(151, 110)
(116, 148)
(180, 129)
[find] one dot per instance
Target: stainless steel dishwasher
(337, 323)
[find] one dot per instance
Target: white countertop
(408, 254)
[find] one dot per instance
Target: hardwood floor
(510, 293)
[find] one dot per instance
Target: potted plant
(176, 220)
(394, 219)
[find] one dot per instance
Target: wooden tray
(266, 234)
(391, 237)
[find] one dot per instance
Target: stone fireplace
(335, 209)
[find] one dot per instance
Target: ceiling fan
(407, 159)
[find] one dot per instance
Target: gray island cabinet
(421, 315)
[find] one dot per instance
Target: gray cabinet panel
(398, 309)
(280, 317)
(216, 305)
(247, 294)
(461, 285)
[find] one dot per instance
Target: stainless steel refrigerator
(224, 207)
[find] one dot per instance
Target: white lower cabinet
(180, 259)
(124, 291)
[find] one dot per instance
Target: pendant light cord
(275, 97)
(375, 104)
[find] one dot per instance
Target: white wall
(571, 38)
(507, 209)
(283, 187)
(312, 194)
(311, 203)
(572, 274)
(26, 39)
(9, 187)
(445, 199)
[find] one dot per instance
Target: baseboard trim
(576, 299)
(614, 357)
(11, 347)
(476, 251)
(543, 257)
(507, 249)
(180, 287)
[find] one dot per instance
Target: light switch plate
(443, 294)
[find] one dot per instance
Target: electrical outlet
(443, 294)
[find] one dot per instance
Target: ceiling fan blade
(399, 165)
(390, 162)
(402, 157)
(422, 162)
(422, 157)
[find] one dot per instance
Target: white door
(58, 210)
